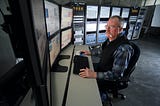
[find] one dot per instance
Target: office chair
(115, 85)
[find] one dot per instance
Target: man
(116, 53)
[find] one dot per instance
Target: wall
(156, 17)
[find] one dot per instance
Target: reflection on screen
(91, 26)
(66, 37)
(102, 25)
(91, 38)
(66, 17)
(54, 48)
(101, 37)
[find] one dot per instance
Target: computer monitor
(101, 37)
(91, 26)
(104, 12)
(66, 37)
(52, 17)
(54, 48)
(92, 12)
(102, 25)
(90, 39)
(116, 11)
(66, 17)
(125, 12)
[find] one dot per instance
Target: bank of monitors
(66, 17)
(66, 26)
(53, 29)
(66, 37)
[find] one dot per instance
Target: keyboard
(80, 62)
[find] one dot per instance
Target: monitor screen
(105, 12)
(116, 11)
(92, 12)
(39, 26)
(91, 38)
(101, 37)
(66, 17)
(54, 47)
(125, 12)
(91, 26)
(102, 25)
(66, 37)
(52, 17)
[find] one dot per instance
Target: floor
(144, 88)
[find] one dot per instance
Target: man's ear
(120, 30)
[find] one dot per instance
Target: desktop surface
(80, 91)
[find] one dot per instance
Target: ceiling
(125, 3)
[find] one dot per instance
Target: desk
(81, 91)
(59, 79)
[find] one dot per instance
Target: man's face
(113, 28)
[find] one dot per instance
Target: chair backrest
(133, 61)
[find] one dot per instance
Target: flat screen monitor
(66, 37)
(125, 12)
(52, 17)
(91, 26)
(92, 12)
(90, 38)
(116, 11)
(102, 25)
(101, 37)
(66, 17)
(105, 12)
(39, 26)
(54, 48)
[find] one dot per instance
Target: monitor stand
(59, 68)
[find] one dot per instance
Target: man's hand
(87, 73)
(86, 52)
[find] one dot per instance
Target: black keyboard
(80, 62)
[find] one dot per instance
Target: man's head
(114, 27)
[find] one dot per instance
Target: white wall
(156, 17)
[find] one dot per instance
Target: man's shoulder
(125, 47)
